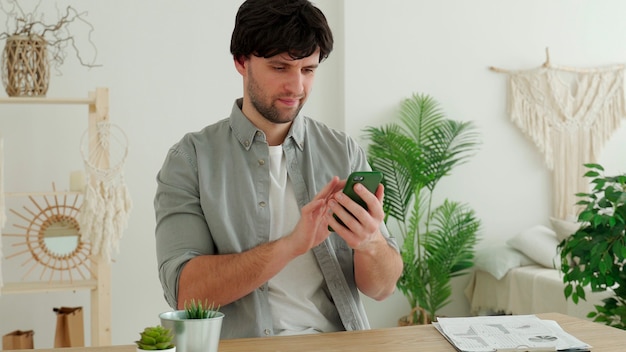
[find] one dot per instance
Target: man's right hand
(312, 228)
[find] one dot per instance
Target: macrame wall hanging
(104, 212)
(569, 113)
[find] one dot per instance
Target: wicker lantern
(25, 67)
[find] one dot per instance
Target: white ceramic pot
(193, 335)
(173, 349)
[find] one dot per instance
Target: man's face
(277, 87)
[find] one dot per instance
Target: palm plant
(438, 241)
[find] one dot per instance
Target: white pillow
(563, 228)
(539, 243)
(498, 259)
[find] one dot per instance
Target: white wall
(169, 71)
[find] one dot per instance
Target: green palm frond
(429, 116)
(439, 287)
(449, 145)
(389, 153)
(453, 229)
(414, 155)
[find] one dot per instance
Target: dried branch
(57, 35)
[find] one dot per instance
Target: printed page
(490, 333)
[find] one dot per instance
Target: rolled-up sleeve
(181, 229)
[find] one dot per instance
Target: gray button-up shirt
(211, 198)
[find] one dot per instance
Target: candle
(77, 181)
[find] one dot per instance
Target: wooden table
(410, 338)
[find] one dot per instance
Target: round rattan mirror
(52, 237)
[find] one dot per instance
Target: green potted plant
(197, 310)
(438, 240)
(595, 254)
(155, 338)
(196, 328)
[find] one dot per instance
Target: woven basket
(25, 67)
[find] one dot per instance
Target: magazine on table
(507, 333)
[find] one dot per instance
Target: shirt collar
(246, 132)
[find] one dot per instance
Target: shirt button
(267, 332)
(246, 143)
(261, 162)
(262, 204)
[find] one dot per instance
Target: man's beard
(268, 110)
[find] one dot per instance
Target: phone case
(369, 179)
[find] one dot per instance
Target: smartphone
(369, 179)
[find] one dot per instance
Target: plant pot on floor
(193, 335)
(417, 316)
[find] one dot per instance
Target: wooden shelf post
(100, 283)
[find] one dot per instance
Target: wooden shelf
(53, 286)
(44, 100)
(46, 193)
(99, 283)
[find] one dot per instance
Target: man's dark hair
(265, 28)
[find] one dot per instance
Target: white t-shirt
(296, 294)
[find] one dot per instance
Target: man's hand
(377, 265)
(312, 228)
(362, 227)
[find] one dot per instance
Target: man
(243, 206)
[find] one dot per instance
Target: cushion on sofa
(539, 243)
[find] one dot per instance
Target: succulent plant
(155, 338)
(196, 310)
